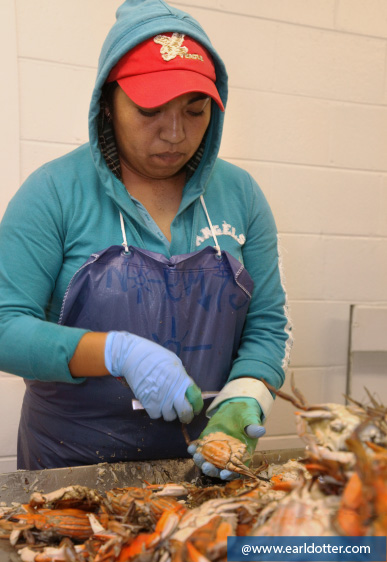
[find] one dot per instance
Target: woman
(143, 256)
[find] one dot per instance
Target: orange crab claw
(348, 515)
(280, 484)
(145, 541)
(139, 545)
(194, 555)
(168, 521)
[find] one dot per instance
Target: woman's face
(157, 143)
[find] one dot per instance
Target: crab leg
(298, 404)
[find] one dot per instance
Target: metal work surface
(18, 486)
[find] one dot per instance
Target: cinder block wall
(307, 117)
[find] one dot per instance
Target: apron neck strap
(125, 241)
(217, 247)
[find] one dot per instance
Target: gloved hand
(155, 375)
(238, 417)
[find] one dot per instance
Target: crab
(302, 512)
(363, 505)
(144, 506)
(225, 452)
(233, 510)
(70, 496)
(51, 523)
(332, 424)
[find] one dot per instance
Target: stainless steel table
(18, 486)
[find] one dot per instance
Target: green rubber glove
(194, 397)
(239, 418)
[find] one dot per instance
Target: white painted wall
(11, 389)
(307, 116)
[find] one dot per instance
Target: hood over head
(136, 22)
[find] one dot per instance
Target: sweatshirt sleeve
(31, 256)
(267, 338)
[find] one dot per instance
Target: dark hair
(107, 95)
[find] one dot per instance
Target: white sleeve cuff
(244, 388)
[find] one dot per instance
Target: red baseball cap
(164, 67)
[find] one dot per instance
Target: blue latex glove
(238, 417)
(155, 375)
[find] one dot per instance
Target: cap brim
(157, 88)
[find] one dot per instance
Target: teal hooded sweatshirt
(69, 208)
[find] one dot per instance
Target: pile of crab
(338, 488)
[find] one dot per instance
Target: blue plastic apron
(193, 304)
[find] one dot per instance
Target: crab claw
(208, 468)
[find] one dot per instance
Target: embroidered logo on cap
(172, 47)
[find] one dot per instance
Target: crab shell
(140, 503)
(69, 497)
(304, 512)
(332, 426)
(70, 522)
(224, 452)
